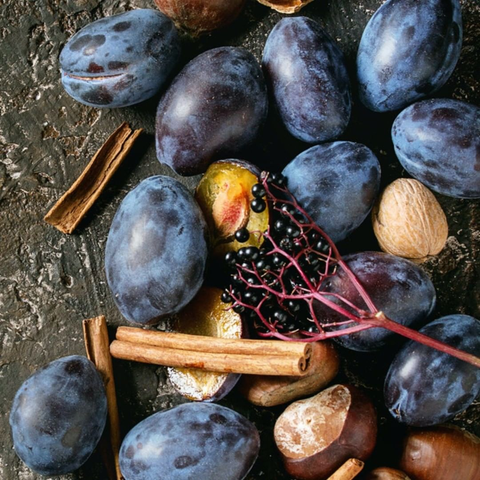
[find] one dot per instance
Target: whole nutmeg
(408, 221)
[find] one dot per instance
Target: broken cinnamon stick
(350, 469)
(200, 343)
(69, 210)
(97, 347)
(208, 359)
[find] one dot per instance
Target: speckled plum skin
(426, 387)
(336, 183)
(397, 287)
(213, 109)
(190, 441)
(58, 416)
(305, 71)
(156, 250)
(120, 60)
(438, 142)
(408, 50)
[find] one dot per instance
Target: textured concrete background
(49, 282)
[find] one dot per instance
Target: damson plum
(58, 416)
(408, 50)
(438, 142)
(190, 441)
(336, 183)
(426, 387)
(306, 72)
(120, 60)
(212, 110)
(397, 287)
(156, 250)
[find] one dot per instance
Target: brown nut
(386, 473)
(408, 221)
(285, 6)
(201, 16)
(315, 436)
(268, 391)
(443, 452)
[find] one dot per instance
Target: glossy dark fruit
(213, 109)
(58, 416)
(120, 60)
(156, 250)
(427, 387)
(225, 194)
(408, 50)
(201, 16)
(438, 142)
(306, 73)
(190, 441)
(206, 315)
(337, 184)
(397, 287)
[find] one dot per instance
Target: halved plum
(206, 315)
(224, 194)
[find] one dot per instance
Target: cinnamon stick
(97, 347)
(200, 343)
(255, 364)
(350, 469)
(69, 210)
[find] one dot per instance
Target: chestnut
(206, 315)
(386, 473)
(269, 391)
(225, 195)
(442, 452)
(315, 436)
(201, 16)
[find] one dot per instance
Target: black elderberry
(293, 307)
(262, 264)
(252, 253)
(231, 258)
(280, 315)
(242, 235)
(226, 297)
(278, 260)
(286, 208)
(241, 253)
(286, 244)
(279, 225)
(251, 297)
(258, 205)
(258, 190)
(238, 308)
(292, 231)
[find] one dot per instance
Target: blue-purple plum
(156, 250)
(306, 73)
(408, 50)
(397, 287)
(58, 416)
(427, 387)
(120, 60)
(336, 183)
(214, 108)
(438, 142)
(190, 441)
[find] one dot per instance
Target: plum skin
(193, 440)
(438, 142)
(424, 386)
(336, 183)
(306, 73)
(156, 250)
(213, 109)
(397, 287)
(58, 416)
(408, 50)
(120, 60)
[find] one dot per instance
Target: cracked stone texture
(49, 281)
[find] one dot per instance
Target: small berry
(258, 190)
(258, 205)
(242, 235)
(226, 297)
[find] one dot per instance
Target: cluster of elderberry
(271, 285)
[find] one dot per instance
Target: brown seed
(408, 221)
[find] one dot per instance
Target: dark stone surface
(49, 282)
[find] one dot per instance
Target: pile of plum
(270, 237)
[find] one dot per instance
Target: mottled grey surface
(49, 281)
